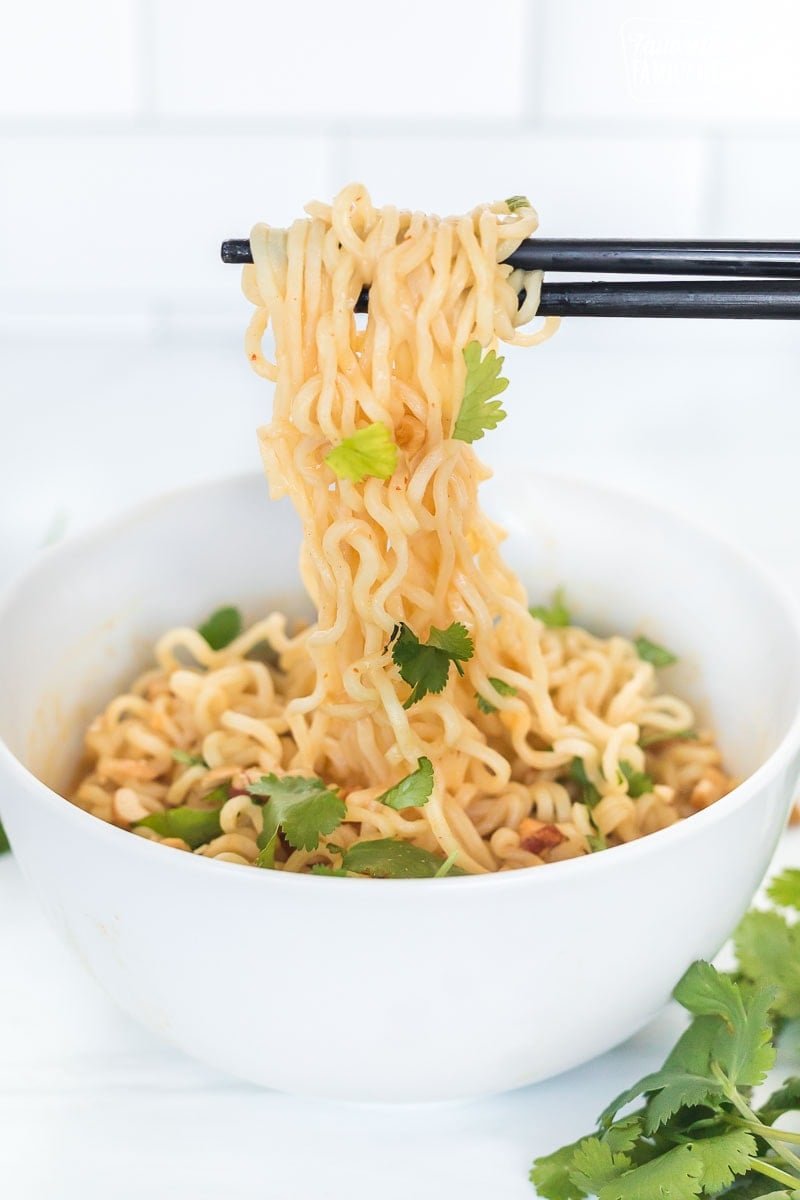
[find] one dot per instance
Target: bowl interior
(77, 629)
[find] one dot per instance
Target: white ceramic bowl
(393, 990)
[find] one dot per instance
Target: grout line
(145, 41)
(150, 122)
(535, 36)
(337, 158)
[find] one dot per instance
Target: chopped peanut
(709, 789)
(120, 769)
(127, 807)
(538, 836)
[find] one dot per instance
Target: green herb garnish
(557, 616)
(653, 739)
(413, 791)
(695, 1131)
(4, 843)
(426, 665)
(392, 858)
(222, 627)
(369, 451)
(304, 809)
(514, 203)
(196, 826)
(639, 784)
(653, 653)
(767, 945)
(479, 411)
(190, 760)
(588, 793)
(502, 689)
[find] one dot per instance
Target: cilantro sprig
(195, 826)
(588, 793)
(666, 735)
(501, 687)
(556, 615)
(189, 760)
(369, 451)
(413, 791)
(222, 627)
(479, 411)
(639, 783)
(767, 944)
(392, 858)
(696, 1131)
(425, 666)
(304, 809)
(651, 652)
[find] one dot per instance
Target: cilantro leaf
(479, 411)
(639, 784)
(222, 627)
(413, 791)
(623, 1135)
(196, 826)
(557, 616)
(768, 950)
(324, 869)
(514, 203)
(4, 843)
(742, 1047)
(784, 1099)
(426, 665)
(191, 760)
(663, 735)
(501, 687)
(550, 1175)
(723, 1157)
(304, 809)
(784, 889)
(676, 1175)
(266, 855)
(392, 858)
(594, 1164)
(589, 795)
(369, 451)
(653, 653)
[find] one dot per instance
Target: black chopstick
(777, 260)
(745, 298)
(777, 299)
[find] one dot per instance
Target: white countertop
(92, 1106)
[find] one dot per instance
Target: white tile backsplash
(66, 58)
(580, 186)
(135, 134)
(141, 217)
(453, 58)
(759, 184)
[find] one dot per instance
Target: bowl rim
(629, 852)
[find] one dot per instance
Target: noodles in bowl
(428, 722)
